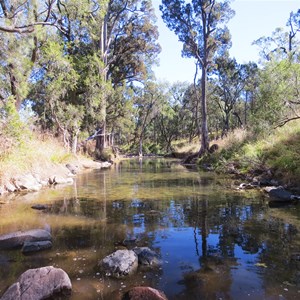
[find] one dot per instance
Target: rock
(41, 283)
(17, 239)
(2, 191)
(59, 180)
(27, 182)
(120, 263)
(40, 206)
(72, 168)
(245, 186)
(147, 257)
(96, 164)
(92, 165)
(10, 187)
(105, 164)
(29, 247)
(278, 193)
(130, 242)
(144, 292)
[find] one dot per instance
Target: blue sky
(253, 19)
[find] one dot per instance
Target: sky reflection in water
(215, 243)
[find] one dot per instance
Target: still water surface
(215, 242)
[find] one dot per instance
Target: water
(215, 242)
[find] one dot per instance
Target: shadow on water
(215, 243)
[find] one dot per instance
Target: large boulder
(27, 182)
(41, 283)
(119, 264)
(144, 292)
(146, 256)
(17, 239)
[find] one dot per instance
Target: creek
(215, 242)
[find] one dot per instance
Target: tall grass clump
(23, 149)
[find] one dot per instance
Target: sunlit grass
(34, 155)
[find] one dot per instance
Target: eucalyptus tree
(128, 45)
(23, 16)
(107, 44)
(283, 42)
(230, 85)
(149, 102)
(278, 98)
(199, 25)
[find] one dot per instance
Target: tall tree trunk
(14, 86)
(197, 104)
(204, 130)
(141, 146)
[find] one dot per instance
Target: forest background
(80, 74)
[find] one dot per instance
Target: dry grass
(183, 148)
(238, 136)
(34, 155)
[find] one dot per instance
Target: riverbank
(272, 156)
(39, 162)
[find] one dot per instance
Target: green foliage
(278, 96)
(14, 127)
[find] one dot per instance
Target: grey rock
(245, 186)
(59, 180)
(96, 165)
(2, 191)
(10, 187)
(105, 164)
(72, 168)
(27, 182)
(92, 165)
(120, 263)
(29, 247)
(38, 284)
(147, 257)
(62, 180)
(17, 239)
(278, 193)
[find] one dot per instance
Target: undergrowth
(277, 150)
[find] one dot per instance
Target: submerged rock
(147, 257)
(17, 239)
(144, 292)
(41, 283)
(29, 247)
(120, 263)
(40, 206)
